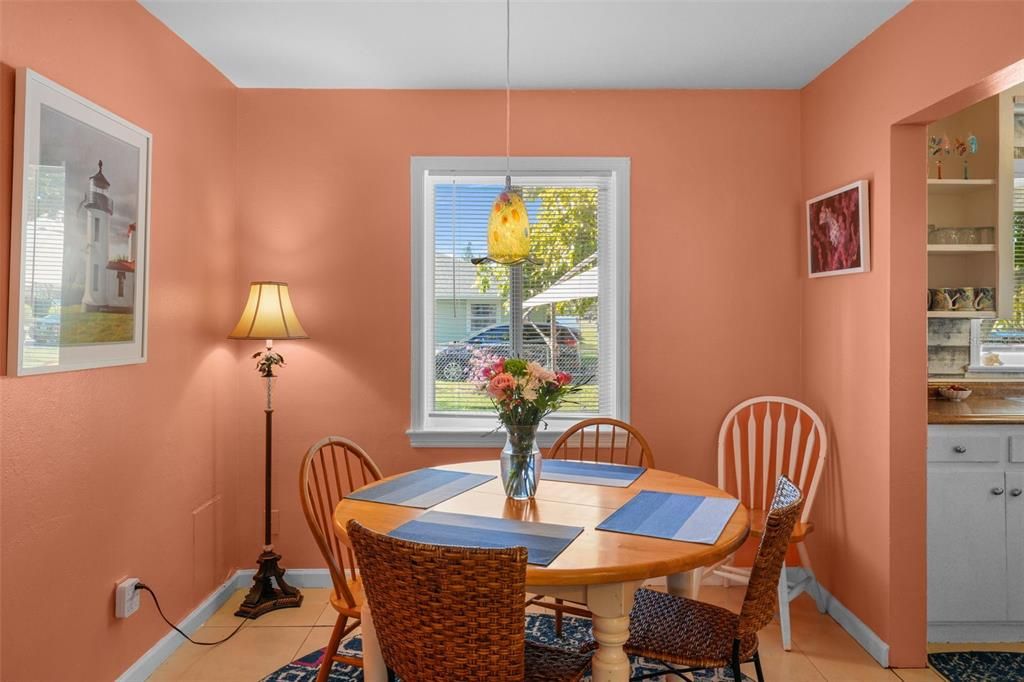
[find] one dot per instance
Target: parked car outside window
(452, 360)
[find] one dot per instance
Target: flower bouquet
(523, 393)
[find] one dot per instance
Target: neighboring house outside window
(575, 310)
(482, 316)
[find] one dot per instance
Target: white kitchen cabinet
(1015, 543)
(975, 533)
(967, 560)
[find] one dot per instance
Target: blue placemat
(422, 488)
(543, 541)
(689, 518)
(592, 473)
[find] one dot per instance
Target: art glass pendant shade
(508, 231)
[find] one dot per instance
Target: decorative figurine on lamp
(268, 315)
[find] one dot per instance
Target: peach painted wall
(323, 179)
(864, 359)
(102, 469)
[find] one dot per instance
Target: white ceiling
(555, 43)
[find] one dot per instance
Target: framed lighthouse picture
(80, 233)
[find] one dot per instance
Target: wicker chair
(332, 468)
(601, 439)
(454, 613)
(698, 636)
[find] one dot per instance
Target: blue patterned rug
(978, 666)
(539, 628)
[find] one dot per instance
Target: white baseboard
(855, 627)
(976, 632)
(168, 644)
(306, 577)
(319, 577)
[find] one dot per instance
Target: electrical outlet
(275, 522)
(126, 598)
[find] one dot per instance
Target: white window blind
(1005, 338)
(573, 302)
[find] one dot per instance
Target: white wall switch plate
(126, 598)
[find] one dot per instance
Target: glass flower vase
(520, 462)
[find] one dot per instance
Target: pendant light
(508, 229)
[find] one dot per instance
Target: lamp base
(263, 597)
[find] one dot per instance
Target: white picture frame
(79, 277)
(838, 231)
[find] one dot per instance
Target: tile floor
(821, 649)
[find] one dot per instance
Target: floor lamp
(268, 315)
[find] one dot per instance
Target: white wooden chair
(761, 439)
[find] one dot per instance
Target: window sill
(472, 438)
(998, 369)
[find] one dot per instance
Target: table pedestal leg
(374, 668)
(611, 605)
(685, 584)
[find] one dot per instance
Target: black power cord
(143, 586)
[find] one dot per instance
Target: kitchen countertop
(978, 409)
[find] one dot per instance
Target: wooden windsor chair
(445, 613)
(332, 468)
(698, 636)
(761, 439)
(601, 439)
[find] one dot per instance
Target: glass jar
(520, 462)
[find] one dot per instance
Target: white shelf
(958, 186)
(975, 314)
(961, 248)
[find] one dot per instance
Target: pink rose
(500, 386)
(562, 378)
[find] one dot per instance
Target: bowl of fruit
(955, 392)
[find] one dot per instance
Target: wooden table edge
(545, 575)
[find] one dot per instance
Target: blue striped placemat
(422, 488)
(689, 518)
(592, 473)
(543, 541)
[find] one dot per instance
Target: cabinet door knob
(959, 449)
(997, 491)
(1016, 492)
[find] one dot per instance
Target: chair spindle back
(332, 468)
(768, 437)
(603, 439)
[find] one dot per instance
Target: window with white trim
(574, 292)
(998, 345)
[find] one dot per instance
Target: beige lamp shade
(268, 314)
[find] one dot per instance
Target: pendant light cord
(508, 90)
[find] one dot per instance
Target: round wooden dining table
(599, 568)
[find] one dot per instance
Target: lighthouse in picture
(99, 209)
